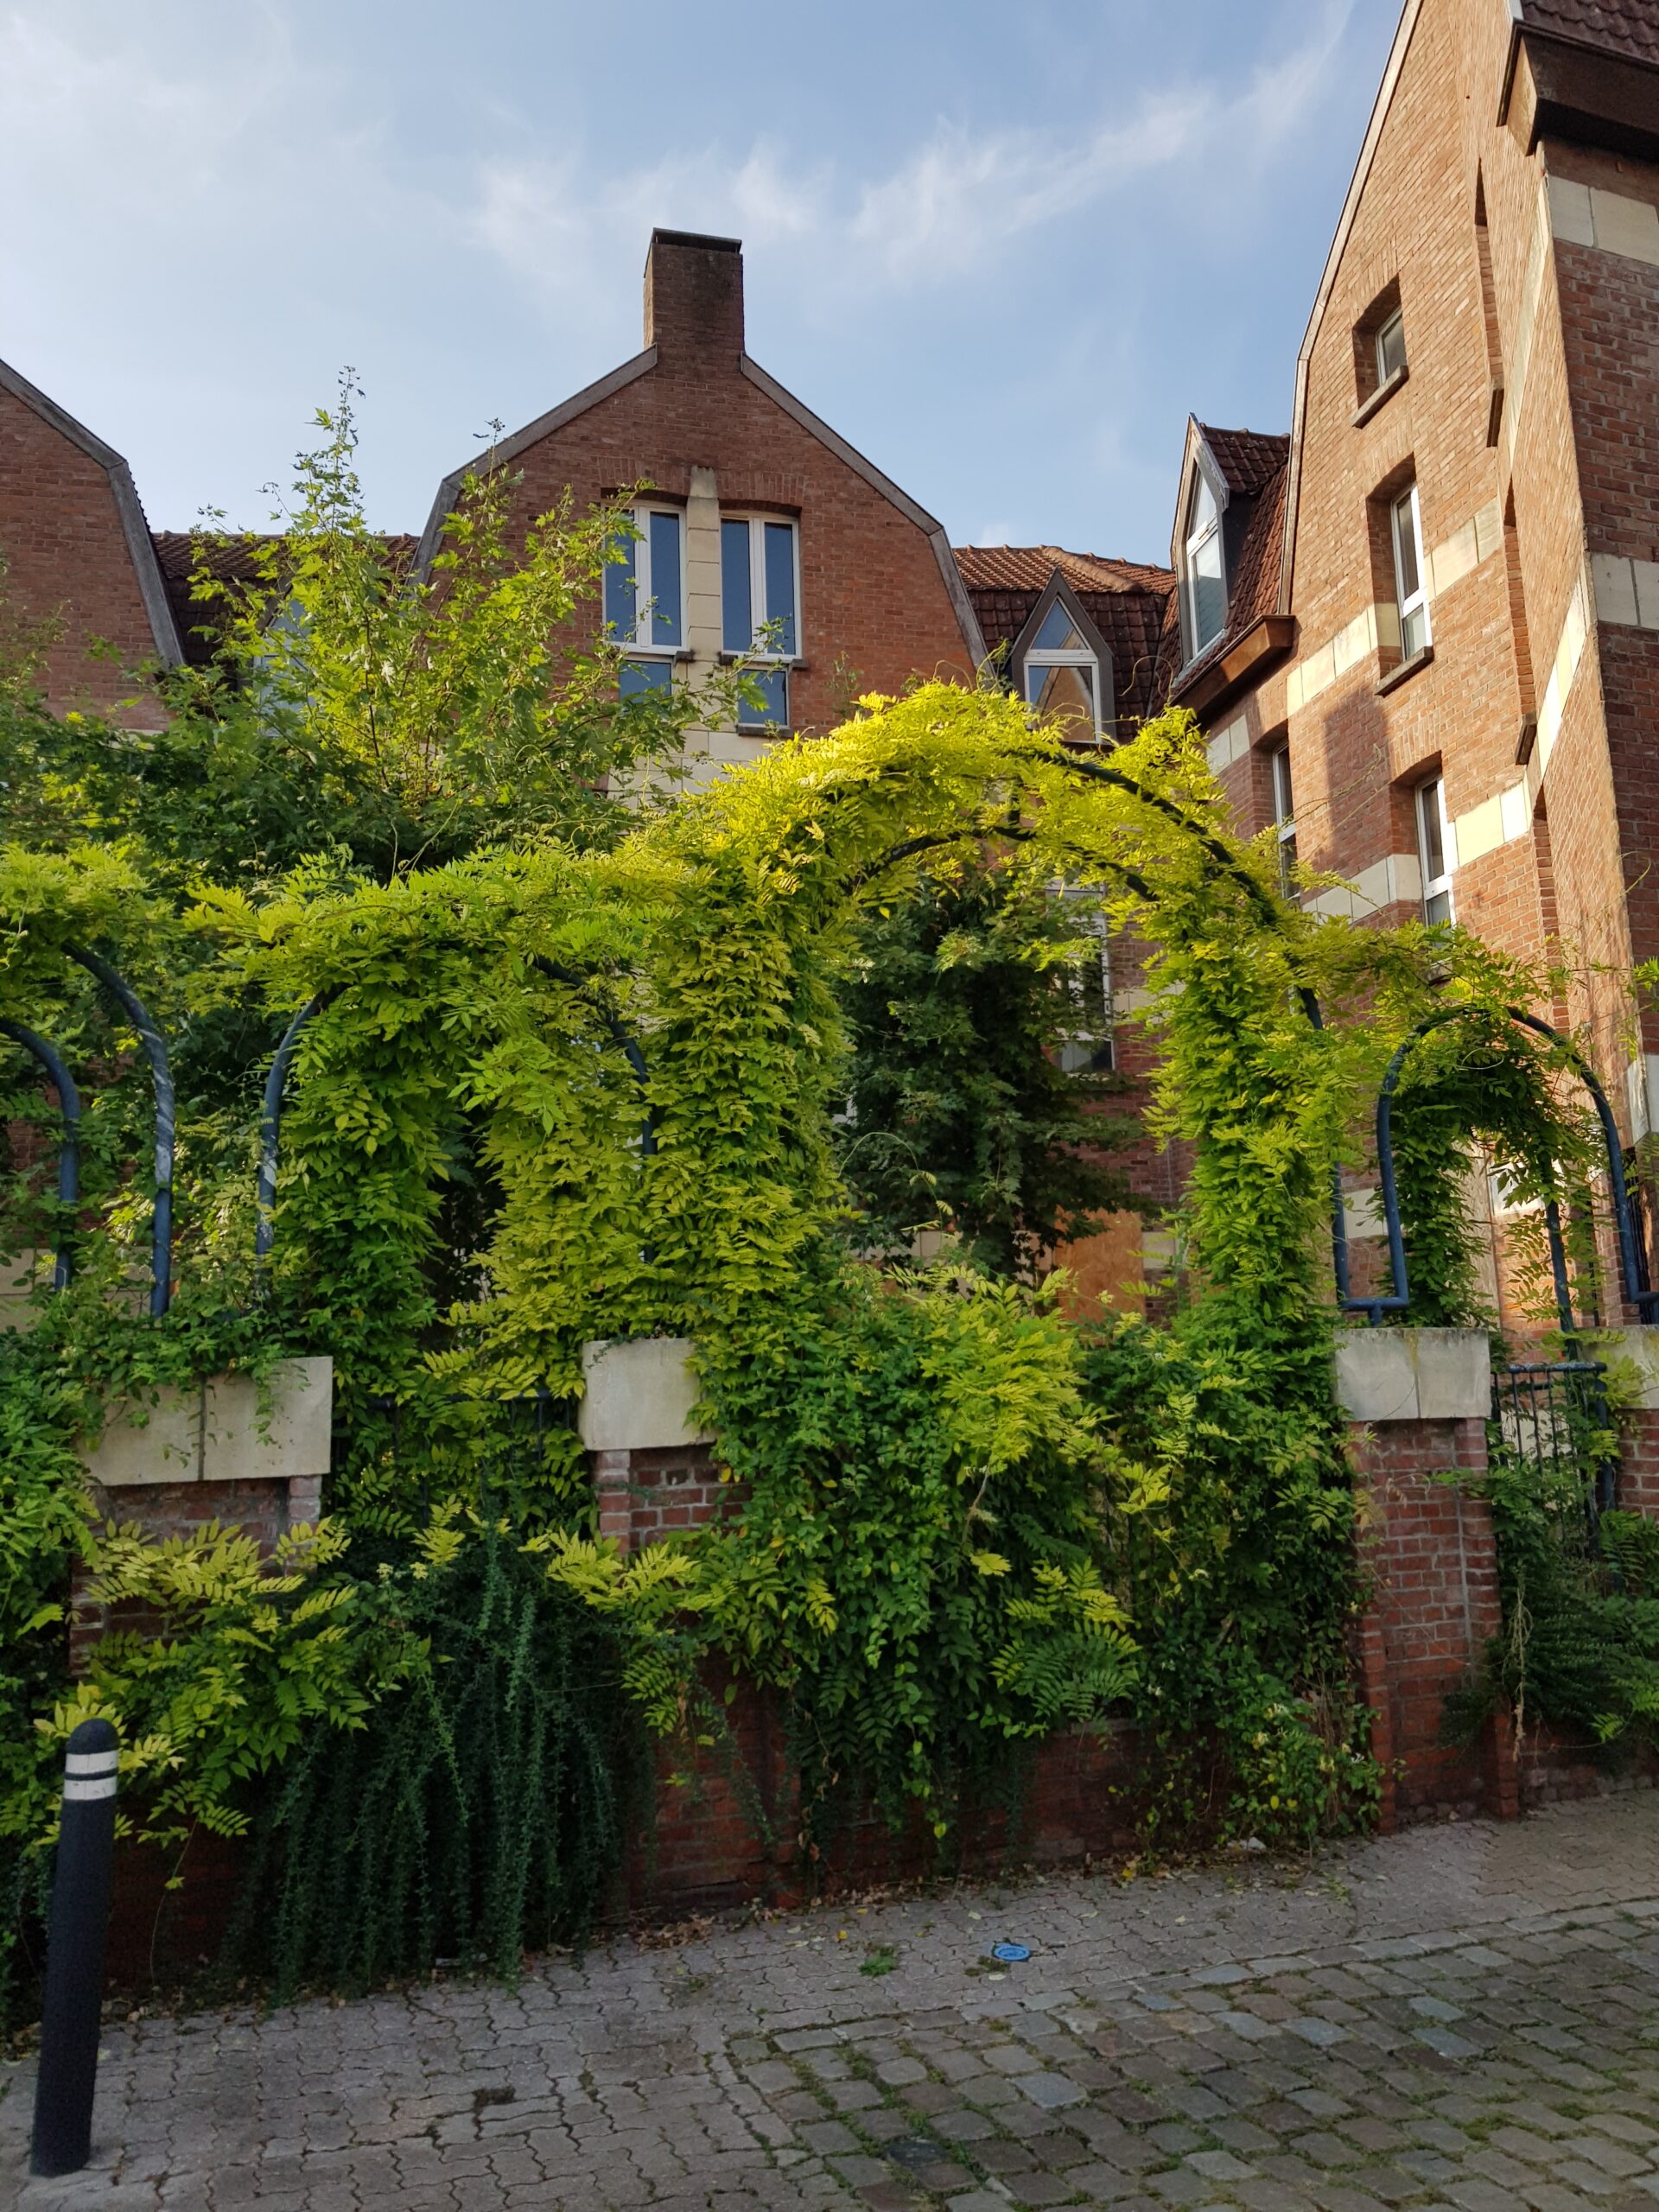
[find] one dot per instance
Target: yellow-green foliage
(237, 1658)
(467, 1195)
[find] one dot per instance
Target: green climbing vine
(587, 1087)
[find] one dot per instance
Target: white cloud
(211, 207)
(947, 212)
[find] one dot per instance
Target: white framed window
(759, 604)
(1284, 818)
(1436, 850)
(645, 598)
(1408, 572)
(1062, 675)
(1204, 598)
(1390, 347)
(1086, 1043)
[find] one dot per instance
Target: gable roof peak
(134, 528)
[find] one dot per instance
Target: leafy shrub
(919, 1560)
(1579, 1649)
(1231, 1539)
(485, 1805)
(959, 997)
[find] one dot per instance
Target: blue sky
(1003, 246)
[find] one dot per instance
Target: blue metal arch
(161, 1077)
(1632, 1258)
(69, 1147)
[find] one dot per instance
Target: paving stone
(1051, 2091)
(1269, 2039)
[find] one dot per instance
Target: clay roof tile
(1630, 28)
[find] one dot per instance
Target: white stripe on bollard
(90, 1762)
(77, 1792)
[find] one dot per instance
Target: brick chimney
(694, 296)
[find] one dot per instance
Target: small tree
(353, 708)
(963, 1000)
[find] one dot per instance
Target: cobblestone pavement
(1462, 2017)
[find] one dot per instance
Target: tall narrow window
(1206, 591)
(759, 576)
(1436, 850)
(1409, 594)
(644, 606)
(1284, 817)
(1390, 347)
(1086, 1043)
(1062, 675)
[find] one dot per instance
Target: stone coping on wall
(1640, 1346)
(220, 1432)
(1386, 1375)
(639, 1395)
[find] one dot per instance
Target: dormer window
(1061, 666)
(1062, 674)
(1204, 591)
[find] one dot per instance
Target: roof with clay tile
(228, 560)
(1248, 459)
(1630, 28)
(1252, 588)
(1124, 599)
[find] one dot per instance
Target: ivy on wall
(963, 1522)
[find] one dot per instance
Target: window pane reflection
(780, 587)
(736, 600)
(665, 579)
(638, 677)
(619, 588)
(772, 683)
(1059, 633)
(1065, 693)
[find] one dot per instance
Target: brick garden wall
(263, 1507)
(731, 1832)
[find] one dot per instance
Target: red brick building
(764, 535)
(1422, 631)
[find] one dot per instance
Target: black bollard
(74, 1953)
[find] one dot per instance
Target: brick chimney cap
(696, 239)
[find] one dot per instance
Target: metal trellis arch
(271, 1114)
(1632, 1257)
(69, 1145)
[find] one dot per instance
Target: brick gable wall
(871, 595)
(875, 609)
(68, 559)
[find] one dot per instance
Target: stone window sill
(1406, 670)
(1381, 397)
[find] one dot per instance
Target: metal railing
(1553, 1416)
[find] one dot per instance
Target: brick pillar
(1638, 1457)
(210, 1454)
(644, 1495)
(259, 1506)
(613, 1487)
(1418, 1400)
(653, 1470)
